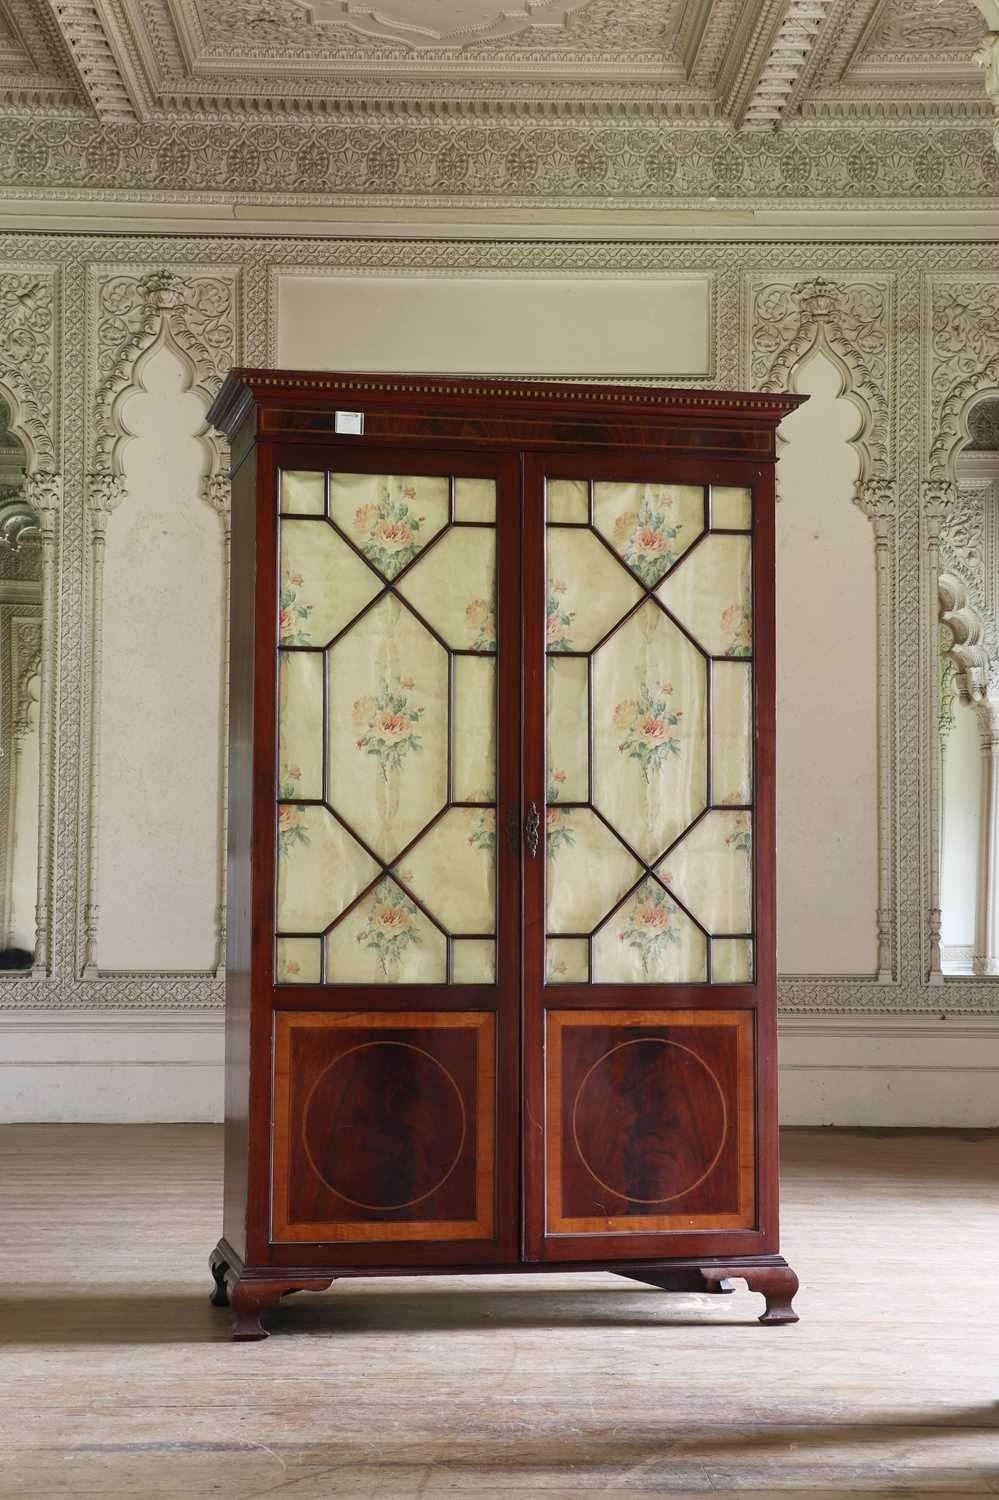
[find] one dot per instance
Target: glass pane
(731, 507)
(711, 871)
(473, 748)
(567, 961)
(452, 870)
(473, 961)
(320, 868)
(454, 588)
(731, 961)
(389, 517)
(731, 732)
(386, 939)
(588, 870)
(588, 591)
(303, 492)
(568, 742)
(300, 724)
(323, 584)
(649, 731)
(650, 941)
(388, 727)
(648, 721)
(710, 592)
(298, 960)
(567, 500)
(475, 500)
(648, 525)
(406, 727)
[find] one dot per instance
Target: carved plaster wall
(132, 313)
(960, 314)
(872, 308)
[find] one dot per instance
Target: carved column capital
(877, 499)
(939, 499)
(44, 491)
(987, 715)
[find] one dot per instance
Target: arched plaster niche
(25, 393)
(968, 599)
(161, 706)
(827, 695)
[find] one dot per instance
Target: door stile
(533, 752)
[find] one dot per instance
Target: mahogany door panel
(384, 1127)
(650, 1121)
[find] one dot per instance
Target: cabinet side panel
(238, 929)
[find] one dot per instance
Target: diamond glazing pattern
(386, 831)
(649, 594)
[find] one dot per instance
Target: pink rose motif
(391, 726)
(736, 623)
(364, 709)
(391, 918)
(409, 492)
(652, 916)
(294, 772)
(479, 616)
(558, 775)
(297, 579)
(553, 627)
(365, 517)
(625, 525)
(625, 713)
(287, 621)
(560, 586)
(655, 731)
(393, 535)
(291, 967)
(407, 682)
(649, 543)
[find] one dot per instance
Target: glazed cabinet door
(395, 944)
(649, 930)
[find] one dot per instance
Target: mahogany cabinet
(500, 985)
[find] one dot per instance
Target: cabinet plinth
(501, 970)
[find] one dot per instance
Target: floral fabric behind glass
(374, 690)
(649, 525)
(650, 673)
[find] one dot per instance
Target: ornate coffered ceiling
(718, 70)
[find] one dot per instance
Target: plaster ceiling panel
(428, 23)
(427, 32)
(926, 31)
(35, 66)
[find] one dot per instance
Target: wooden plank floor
(118, 1379)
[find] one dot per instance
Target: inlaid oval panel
(384, 1125)
(649, 1120)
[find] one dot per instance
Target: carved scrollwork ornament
(986, 55)
(938, 501)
